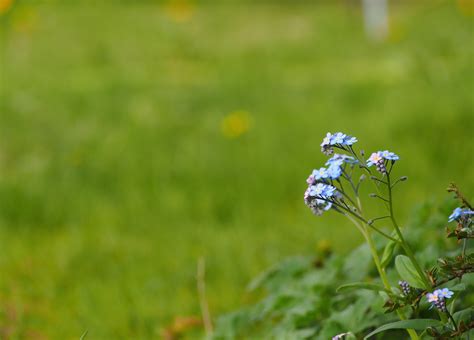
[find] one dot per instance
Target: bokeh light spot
(179, 10)
(5, 5)
(466, 7)
(235, 124)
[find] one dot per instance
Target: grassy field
(136, 138)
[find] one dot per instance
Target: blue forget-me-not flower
(438, 298)
(340, 159)
(337, 139)
(459, 213)
(378, 159)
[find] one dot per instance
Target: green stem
(359, 204)
(406, 247)
(376, 258)
(358, 217)
(342, 191)
(366, 233)
(372, 227)
(452, 320)
(403, 242)
(383, 276)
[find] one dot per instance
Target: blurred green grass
(115, 173)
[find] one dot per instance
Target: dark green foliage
(308, 298)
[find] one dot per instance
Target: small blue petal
(334, 171)
(338, 138)
(321, 173)
(458, 213)
(327, 139)
(349, 140)
(340, 159)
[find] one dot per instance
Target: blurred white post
(376, 18)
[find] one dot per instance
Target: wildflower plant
(336, 187)
(410, 294)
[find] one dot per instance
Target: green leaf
(279, 274)
(388, 253)
(83, 336)
(407, 271)
(417, 324)
(464, 315)
(259, 280)
(360, 285)
(358, 264)
(459, 287)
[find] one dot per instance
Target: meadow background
(137, 137)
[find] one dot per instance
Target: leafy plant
(302, 300)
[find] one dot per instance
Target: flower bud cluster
(405, 287)
(441, 305)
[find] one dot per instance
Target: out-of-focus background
(139, 136)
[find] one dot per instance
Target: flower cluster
(405, 287)
(338, 139)
(438, 298)
(380, 158)
(460, 214)
(321, 192)
(333, 170)
(318, 196)
(325, 187)
(464, 219)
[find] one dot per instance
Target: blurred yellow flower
(5, 5)
(324, 246)
(179, 10)
(235, 124)
(466, 6)
(25, 19)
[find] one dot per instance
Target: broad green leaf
(360, 285)
(407, 271)
(388, 253)
(464, 315)
(417, 324)
(459, 287)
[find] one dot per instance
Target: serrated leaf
(360, 285)
(388, 253)
(417, 324)
(407, 271)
